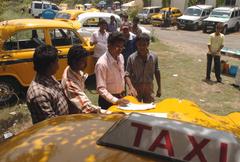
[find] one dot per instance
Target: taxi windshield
(62, 16)
(220, 14)
(193, 12)
(144, 11)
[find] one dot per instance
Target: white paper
(132, 106)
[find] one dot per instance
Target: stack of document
(132, 106)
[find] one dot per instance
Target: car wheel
(236, 27)
(9, 90)
(195, 27)
(204, 30)
(178, 26)
(224, 30)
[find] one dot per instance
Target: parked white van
(229, 16)
(37, 7)
(193, 17)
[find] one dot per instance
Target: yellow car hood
(188, 111)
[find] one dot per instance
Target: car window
(92, 22)
(151, 10)
(232, 14)
(157, 10)
(38, 5)
(63, 15)
(25, 39)
(203, 13)
(236, 13)
(193, 12)
(54, 7)
(207, 12)
(45, 6)
(63, 37)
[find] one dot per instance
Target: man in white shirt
(99, 39)
(215, 45)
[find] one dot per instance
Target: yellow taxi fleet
(18, 40)
(158, 19)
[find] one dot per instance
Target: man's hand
(158, 93)
(132, 92)
(122, 102)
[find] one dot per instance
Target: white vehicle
(229, 16)
(89, 22)
(193, 17)
(147, 12)
(37, 7)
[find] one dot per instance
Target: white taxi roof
(227, 8)
(88, 15)
(202, 6)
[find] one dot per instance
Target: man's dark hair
(102, 22)
(115, 37)
(143, 37)
(75, 54)
(44, 56)
(125, 15)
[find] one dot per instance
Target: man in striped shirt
(73, 81)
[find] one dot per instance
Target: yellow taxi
(70, 16)
(18, 40)
(158, 19)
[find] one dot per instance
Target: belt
(120, 95)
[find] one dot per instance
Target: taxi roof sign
(173, 139)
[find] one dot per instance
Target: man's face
(53, 68)
(219, 29)
(142, 47)
(103, 26)
(81, 64)
(125, 32)
(116, 48)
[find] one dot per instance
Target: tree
(220, 3)
(166, 3)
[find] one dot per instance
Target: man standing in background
(215, 45)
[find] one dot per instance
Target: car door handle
(59, 52)
(6, 56)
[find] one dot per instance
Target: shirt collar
(45, 79)
(111, 59)
(149, 55)
(79, 74)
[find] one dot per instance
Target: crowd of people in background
(124, 66)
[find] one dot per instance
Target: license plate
(210, 27)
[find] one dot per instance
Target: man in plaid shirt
(45, 96)
(73, 80)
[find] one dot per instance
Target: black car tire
(195, 27)
(224, 31)
(204, 30)
(236, 27)
(9, 91)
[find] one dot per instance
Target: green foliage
(133, 12)
(192, 2)
(166, 3)
(220, 3)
